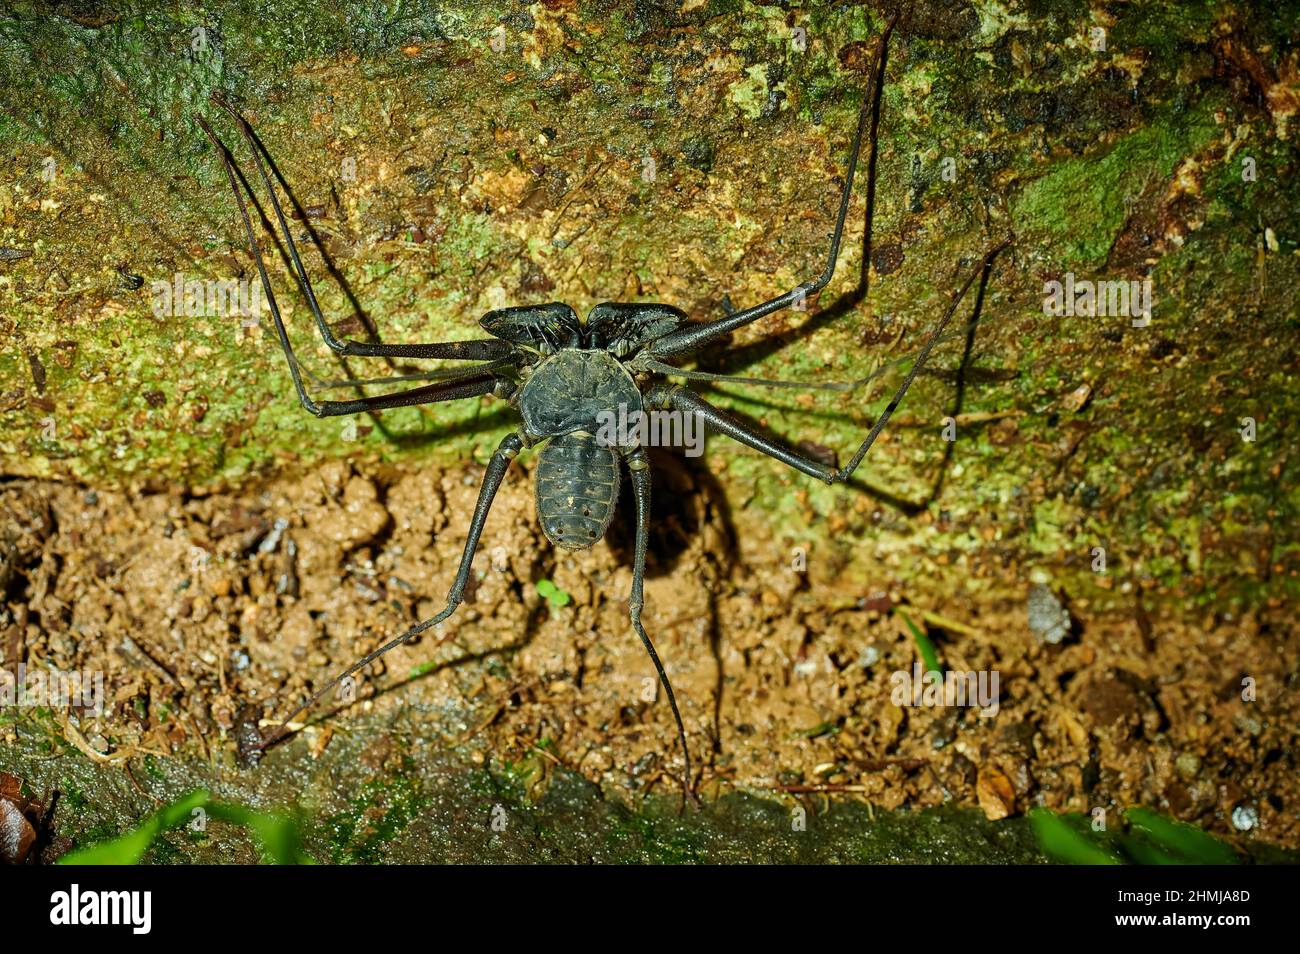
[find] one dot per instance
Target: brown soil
(205, 619)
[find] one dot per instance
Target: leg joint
(663, 395)
(510, 447)
(636, 458)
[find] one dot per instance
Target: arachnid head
(617, 327)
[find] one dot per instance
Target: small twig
(15, 638)
(950, 624)
(134, 652)
(73, 735)
(496, 714)
(879, 765)
(982, 417)
(287, 726)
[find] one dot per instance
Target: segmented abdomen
(577, 487)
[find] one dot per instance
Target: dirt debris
(785, 681)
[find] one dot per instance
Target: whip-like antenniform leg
(483, 350)
(506, 451)
(476, 381)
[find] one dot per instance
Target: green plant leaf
(1061, 841)
(129, 848)
(924, 644)
(278, 834)
(1150, 839)
(1187, 843)
(553, 595)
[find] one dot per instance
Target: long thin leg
(638, 466)
(681, 398)
(481, 350)
(439, 374)
(475, 382)
(466, 386)
(695, 336)
(506, 451)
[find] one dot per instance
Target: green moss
(379, 812)
(1075, 212)
(1050, 139)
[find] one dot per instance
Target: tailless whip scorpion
(562, 374)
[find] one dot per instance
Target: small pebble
(1248, 724)
(1188, 765)
(272, 539)
(1245, 817)
(1048, 618)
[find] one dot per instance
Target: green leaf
(1142, 851)
(924, 645)
(1187, 843)
(278, 834)
(1151, 839)
(553, 595)
(128, 849)
(1061, 841)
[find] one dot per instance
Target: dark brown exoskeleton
(565, 376)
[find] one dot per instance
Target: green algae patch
(1074, 213)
